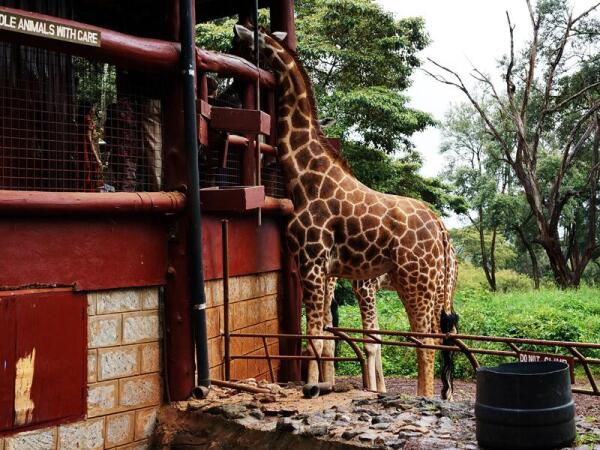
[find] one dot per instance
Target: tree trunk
(490, 275)
(535, 267)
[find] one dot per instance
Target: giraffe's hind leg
(365, 291)
(419, 306)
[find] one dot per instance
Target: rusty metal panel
(51, 336)
(7, 361)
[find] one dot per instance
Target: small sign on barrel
(525, 356)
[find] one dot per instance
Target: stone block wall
(254, 301)
(124, 378)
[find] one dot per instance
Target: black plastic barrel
(524, 406)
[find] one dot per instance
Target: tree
(360, 59)
(547, 126)
(479, 176)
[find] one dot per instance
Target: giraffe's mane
(323, 141)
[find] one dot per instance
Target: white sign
(40, 27)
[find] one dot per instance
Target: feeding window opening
(69, 124)
(222, 161)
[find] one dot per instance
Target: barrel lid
(527, 368)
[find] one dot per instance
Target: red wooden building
(101, 146)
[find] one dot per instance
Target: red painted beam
(117, 48)
(89, 253)
(233, 66)
(51, 203)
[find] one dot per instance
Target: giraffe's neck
(301, 149)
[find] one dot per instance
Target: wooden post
(180, 366)
(282, 19)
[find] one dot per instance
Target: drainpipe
(198, 299)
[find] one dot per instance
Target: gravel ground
(585, 405)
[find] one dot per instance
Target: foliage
(360, 60)
(545, 128)
(467, 244)
(572, 315)
(472, 278)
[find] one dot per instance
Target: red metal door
(7, 358)
(43, 343)
(51, 329)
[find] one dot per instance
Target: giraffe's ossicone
(341, 228)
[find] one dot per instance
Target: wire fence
(70, 124)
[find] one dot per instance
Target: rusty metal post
(269, 362)
(226, 332)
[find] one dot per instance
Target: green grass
(546, 314)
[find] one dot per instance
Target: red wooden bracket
(232, 199)
(244, 121)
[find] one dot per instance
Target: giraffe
(342, 228)
(365, 291)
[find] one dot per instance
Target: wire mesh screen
(272, 178)
(221, 167)
(218, 169)
(69, 124)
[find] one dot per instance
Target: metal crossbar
(344, 335)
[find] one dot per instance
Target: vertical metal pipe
(198, 299)
(226, 333)
(257, 90)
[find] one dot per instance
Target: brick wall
(124, 381)
(253, 306)
(124, 361)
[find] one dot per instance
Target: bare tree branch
(573, 97)
(461, 85)
(585, 13)
(532, 60)
(522, 144)
(550, 83)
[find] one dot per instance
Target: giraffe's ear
(327, 122)
(243, 33)
(281, 35)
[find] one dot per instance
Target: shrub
(550, 314)
(507, 280)
(510, 281)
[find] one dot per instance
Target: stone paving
(357, 419)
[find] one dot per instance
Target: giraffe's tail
(449, 318)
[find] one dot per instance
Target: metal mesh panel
(69, 124)
(272, 178)
(212, 172)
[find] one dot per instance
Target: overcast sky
(464, 33)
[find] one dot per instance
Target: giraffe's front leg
(314, 281)
(329, 345)
(365, 291)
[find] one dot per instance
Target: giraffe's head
(270, 46)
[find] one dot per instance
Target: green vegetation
(548, 313)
